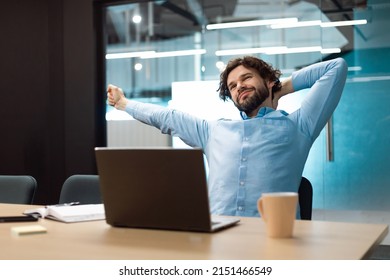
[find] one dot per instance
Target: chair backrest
(17, 189)
(84, 189)
(305, 195)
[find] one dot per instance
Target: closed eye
(247, 77)
(232, 87)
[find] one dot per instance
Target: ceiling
(164, 20)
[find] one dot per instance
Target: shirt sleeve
(325, 81)
(192, 130)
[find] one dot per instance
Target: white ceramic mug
(278, 211)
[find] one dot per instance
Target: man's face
(247, 88)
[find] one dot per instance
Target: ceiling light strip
(343, 23)
(127, 54)
(295, 50)
(154, 54)
(368, 79)
(250, 23)
(331, 50)
(265, 50)
(318, 23)
(174, 53)
(305, 50)
(277, 50)
(296, 24)
(247, 51)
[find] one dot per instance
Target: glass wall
(171, 53)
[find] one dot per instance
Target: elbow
(342, 65)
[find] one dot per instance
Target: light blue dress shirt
(254, 155)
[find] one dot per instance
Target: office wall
(48, 120)
(357, 178)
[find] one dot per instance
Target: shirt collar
(262, 112)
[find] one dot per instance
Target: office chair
(17, 189)
(84, 189)
(305, 198)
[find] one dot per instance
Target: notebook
(157, 188)
(69, 213)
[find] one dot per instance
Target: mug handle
(260, 208)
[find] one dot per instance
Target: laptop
(157, 188)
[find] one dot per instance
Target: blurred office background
(58, 56)
(144, 45)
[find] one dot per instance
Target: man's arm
(287, 87)
(325, 81)
(193, 131)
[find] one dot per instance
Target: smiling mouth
(245, 93)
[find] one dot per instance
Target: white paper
(71, 214)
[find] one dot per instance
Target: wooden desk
(97, 240)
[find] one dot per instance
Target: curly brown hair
(265, 70)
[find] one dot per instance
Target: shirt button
(240, 208)
(242, 183)
(243, 159)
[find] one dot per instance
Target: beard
(252, 102)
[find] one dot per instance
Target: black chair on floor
(305, 197)
(84, 189)
(17, 189)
